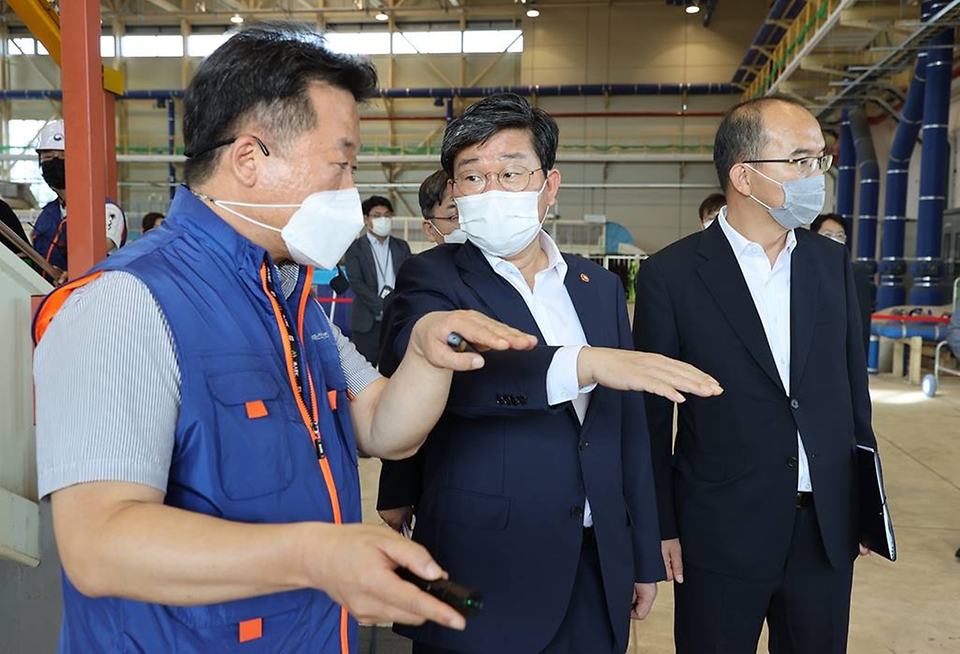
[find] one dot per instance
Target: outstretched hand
(430, 334)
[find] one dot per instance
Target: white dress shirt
(553, 310)
(770, 289)
(383, 259)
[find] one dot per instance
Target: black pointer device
(465, 601)
(459, 343)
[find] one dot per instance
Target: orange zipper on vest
(312, 423)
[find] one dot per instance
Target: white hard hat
(51, 136)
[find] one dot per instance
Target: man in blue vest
(207, 508)
(49, 234)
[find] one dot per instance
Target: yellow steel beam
(43, 21)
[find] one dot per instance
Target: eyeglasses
(839, 237)
(220, 144)
(805, 165)
(513, 178)
(446, 218)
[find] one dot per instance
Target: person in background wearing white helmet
(49, 234)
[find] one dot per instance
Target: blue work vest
(49, 235)
(244, 450)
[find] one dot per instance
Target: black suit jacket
(362, 272)
(505, 475)
(727, 487)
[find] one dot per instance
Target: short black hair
(741, 136)
(150, 221)
(824, 217)
(263, 73)
(432, 191)
(495, 114)
(712, 203)
(376, 201)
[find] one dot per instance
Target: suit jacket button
(577, 512)
(794, 404)
(792, 462)
(584, 443)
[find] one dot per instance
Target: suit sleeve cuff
(562, 379)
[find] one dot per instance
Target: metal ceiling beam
(896, 61)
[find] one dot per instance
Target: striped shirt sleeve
(107, 389)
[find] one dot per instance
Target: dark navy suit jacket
(505, 475)
(728, 486)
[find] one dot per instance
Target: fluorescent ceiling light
(236, 19)
(381, 16)
(692, 9)
(533, 13)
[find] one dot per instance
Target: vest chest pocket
(252, 433)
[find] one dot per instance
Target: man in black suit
(372, 263)
(760, 488)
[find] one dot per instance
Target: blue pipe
(846, 176)
(928, 269)
(869, 189)
(461, 92)
(892, 265)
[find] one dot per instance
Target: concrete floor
(908, 607)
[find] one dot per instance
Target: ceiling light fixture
(692, 9)
(381, 16)
(532, 13)
(236, 19)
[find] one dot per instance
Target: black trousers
(586, 625)
(807, 607)
(368, 343)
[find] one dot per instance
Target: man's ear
(553, 185)
(739, 179)
(242, 160)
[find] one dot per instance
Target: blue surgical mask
(802, 200)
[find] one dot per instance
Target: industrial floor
(911, 606)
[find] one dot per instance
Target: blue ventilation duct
(892, 265)
(846, 176)
(866, 251)
(927, 270)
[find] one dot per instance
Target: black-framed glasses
(229, 141)
(513, 178)
(806, 165)
(448, 219)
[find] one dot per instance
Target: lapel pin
(584, 278)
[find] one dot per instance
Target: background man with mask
(49, 234)
(545, 504)
(213, 516)
(761, 486)
(372, 262)
(440, 221)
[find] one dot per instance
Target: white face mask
(456, 236)
(381, 226)
(501, 223)
(319, 231)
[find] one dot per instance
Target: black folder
(876, 528)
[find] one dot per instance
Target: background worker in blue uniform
(49, 234)
(207, 509)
